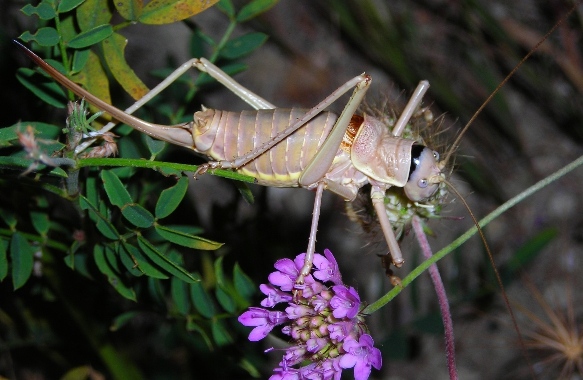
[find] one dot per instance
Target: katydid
(309, 148)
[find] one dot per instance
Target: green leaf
(191, 325)
(243, 45)
(170, 11)
(48, 91)
(219, 272)
(254, 8)
(9, 218)
(164, 262)
(526, 254)
(144, 263)
(115, 189)
(22, 256)
(68, 5)
(122, 320)
(90, 37)
(170, 198)
(245, 191)
(186, 240)
(3, 259)
(226, 6)
(137, 215)
(92, 13)
(221, 335)
(112, 277)
(112, 259)
(41, 131)
(40, 222)
(129, 9)
(128, 260)
(201, 300)
(154, 146)
(180, 295)
(80, 58)
(156, 291)
(243, 284)
(44, 11)
(222, 291)
(102, 223)
(225, 300)
(46, 36)
(113, 51)
(78, 260)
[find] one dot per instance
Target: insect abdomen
(224, 135)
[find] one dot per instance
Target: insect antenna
(496, 273)
(456, 143)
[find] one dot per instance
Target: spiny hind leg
(203, 65)
(323, 159)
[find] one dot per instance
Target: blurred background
(533, 127)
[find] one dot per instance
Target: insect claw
(396, 281)
(202, 169)
(298, 288)
(398, 263)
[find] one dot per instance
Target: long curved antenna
(176, 134)
(496, 273)
(456, 143)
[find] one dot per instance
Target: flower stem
(472, 231)
(441, 297)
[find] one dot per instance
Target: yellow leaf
(169, 11)
(94, 80)
(93, 13)
(129, 9)
(113, 51)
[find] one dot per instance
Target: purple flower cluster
(323, 323)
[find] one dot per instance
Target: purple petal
(327, 268)
(311, 287)
(265, 321)
(361, 355)
(362, 370)
(315, 344)
(274, 295)
(255, 316)
(286, 274)
(259, 332)
(281, 280)
(286, 266)
(345, 303)
(319, 303)
(299, 261)
(294, 355)
(340, 330)
(295, 311)
(285, 374)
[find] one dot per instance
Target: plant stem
(441, 297)
(160, 165)
(472, 231)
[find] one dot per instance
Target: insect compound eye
(424, 168)
(416, 151)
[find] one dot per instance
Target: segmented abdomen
(224, 135)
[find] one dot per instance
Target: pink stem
(441, 296)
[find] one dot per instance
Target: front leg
(378, 197)
(309, 257)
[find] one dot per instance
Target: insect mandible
(309, 148)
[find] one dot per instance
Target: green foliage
(71, 214)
